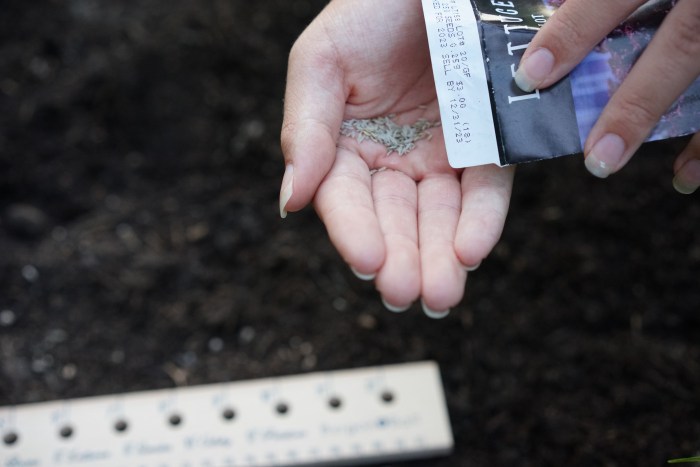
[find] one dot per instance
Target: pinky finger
(687, 168)
(486, 194)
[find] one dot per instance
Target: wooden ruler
(347, 417)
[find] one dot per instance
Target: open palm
(412, 223)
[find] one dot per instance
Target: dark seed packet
(475, 48)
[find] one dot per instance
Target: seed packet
(475, 48)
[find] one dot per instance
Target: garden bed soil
(142, 248)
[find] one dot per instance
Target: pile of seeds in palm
(384, 130)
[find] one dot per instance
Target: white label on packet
(461, 83)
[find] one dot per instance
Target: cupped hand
(668, 66)
(409, 222)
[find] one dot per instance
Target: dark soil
(142, 248)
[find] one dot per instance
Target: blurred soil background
(141, 248)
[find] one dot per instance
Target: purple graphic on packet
(599, 75)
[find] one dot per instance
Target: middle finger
(443, 274)
(395, 202)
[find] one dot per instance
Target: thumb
(687, 167)
(313, 113)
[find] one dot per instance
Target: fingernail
(606, 156)
(362, 277)
(534, 69)
(287, 189)
(393, 308)
(472, 268)
(434, 314)
(687, 180)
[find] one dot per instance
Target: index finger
(567, 37)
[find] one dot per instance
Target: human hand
(418, 226)
(668, 66)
